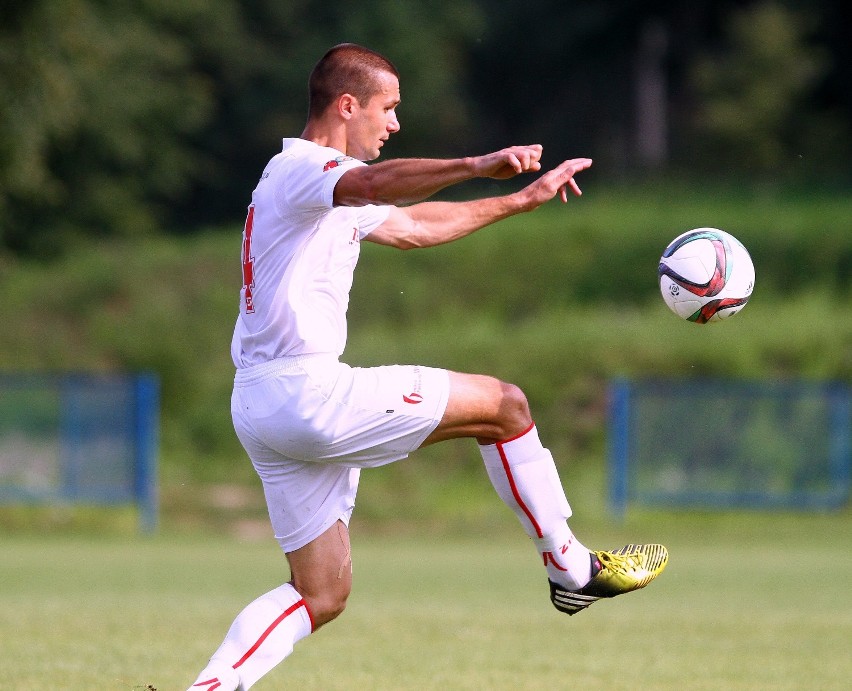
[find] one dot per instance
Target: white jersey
(298, 256)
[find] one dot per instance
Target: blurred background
(132, 134)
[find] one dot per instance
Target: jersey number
(248, 262)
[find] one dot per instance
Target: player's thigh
(484, 407)
(330, 412)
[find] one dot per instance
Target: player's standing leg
(262, 635)
(266, 631)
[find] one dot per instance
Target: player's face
(375, 120)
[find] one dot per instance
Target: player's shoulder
(303, 175)
(321, 159)
(305, 149)
(298, 159)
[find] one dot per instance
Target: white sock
(525, 477)
(262, 635)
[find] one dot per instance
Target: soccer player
(310, 423)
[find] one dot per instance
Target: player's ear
(346, 105)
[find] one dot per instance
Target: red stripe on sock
(272, 626)
(214, 680)
(512, 484)
(548, 557)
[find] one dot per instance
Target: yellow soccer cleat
(613, 573)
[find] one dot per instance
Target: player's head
(354, 93)
(346, 68)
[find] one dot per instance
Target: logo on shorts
(415, 396)
(335, 162)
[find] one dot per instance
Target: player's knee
(328, 605)
(326, 609)
(515, 409)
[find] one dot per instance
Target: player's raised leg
(521, 470)
(525, 477)
(266, 631)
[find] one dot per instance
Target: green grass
(749, 601)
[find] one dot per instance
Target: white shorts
(310, 423)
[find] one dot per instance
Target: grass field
(749, 601)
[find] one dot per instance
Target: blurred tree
(571, 76)
(121, 117)
(266, 99)
(753, 97)
(567, 74)
(96, 99)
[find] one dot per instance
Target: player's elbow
(400, 243)
(410, 242)
(404, 233)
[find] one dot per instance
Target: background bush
(559, 301)
(127, 117)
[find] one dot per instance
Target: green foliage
(753, 112)
(558, 301)
(119, 118)
(599, 249)
(164, 306)
(96, 101)
(122, 118)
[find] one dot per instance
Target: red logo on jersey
(413, 398)
(335, 162)
(248, 261)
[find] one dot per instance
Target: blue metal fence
(745, 444)
(80, 439)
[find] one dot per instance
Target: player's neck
(323, 134)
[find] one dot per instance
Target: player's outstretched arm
(434, 223)
(408, 180)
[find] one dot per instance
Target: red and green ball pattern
(713, 286)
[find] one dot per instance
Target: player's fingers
(529, 157)
(535, 151)
(579, 164)
(571, 168)
(574, 188)
(527, 161)
(563, 194)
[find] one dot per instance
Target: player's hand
(509, 162)
(556, 181)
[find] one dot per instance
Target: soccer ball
(706, 275)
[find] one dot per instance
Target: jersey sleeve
(311, 178)
(371, 217)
